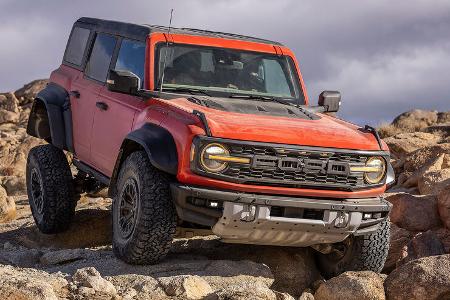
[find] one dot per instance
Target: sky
(384, 56)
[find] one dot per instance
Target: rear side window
(131, 58)
(98, 64)
(77, 45)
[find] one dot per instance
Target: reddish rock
(414, 213)
(444, 206)
(398, 249)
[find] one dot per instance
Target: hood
(277, 123)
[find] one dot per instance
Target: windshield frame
(295, 78)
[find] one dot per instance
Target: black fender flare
(59, 117)
(159, 145)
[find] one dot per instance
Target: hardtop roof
(140, 32)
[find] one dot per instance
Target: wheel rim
(37, 192)
(127, 207)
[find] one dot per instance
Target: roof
(140, 32)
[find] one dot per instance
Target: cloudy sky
(384, 56)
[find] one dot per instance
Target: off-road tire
(365, 253)
(154, 215)
(50, 189)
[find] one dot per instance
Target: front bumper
(278, 220)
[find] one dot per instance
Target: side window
(77, 45)
(132, 58)
(98, 64)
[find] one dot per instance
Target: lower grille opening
(313, 214)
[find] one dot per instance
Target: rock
(416, 119)
(398, 249)
(15, 185)
(439, 129)
(7, 207)
(7, 116)
(411, 179)
(404, 143)
(63, 256)
(414, 213)
(186, 287)
(444, 206)
(423, 156)
(443, 117)
(424, 244)
(133, 286)
(352, 285)
(444, 237)
(19, 256)
(28, 92)
(91, 278)
(247, 290)
(9, 102)
(434, 182)
(424, 278)
(30, 284)
(306, 296)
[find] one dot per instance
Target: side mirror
(330, 100)
(123, 82)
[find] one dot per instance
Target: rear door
(86, 88)
(115, 113)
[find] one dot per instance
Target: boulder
(30, 284)
(414, 213)
(7, 207)
(424, 278)
(15, 185)
(136, 286)
(444, 237)
(416, 119)
(246, 290)
(19, 256)
(443, 117)
(352, 286)
(7, 116)
(410, 179)
(404, 143)
(186, 287)
(444, 206)
(64, 256)
(91, 278)
(398, 250)
(424, 244)
(28, 92)
(416, 160)
(9, 102)
(433, 182)
(306, 296)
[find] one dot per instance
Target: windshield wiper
(186, 90)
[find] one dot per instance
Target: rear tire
(50, 189)
(358, 253)
(144, 217)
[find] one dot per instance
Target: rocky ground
(79, 264)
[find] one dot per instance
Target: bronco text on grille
(296, 166)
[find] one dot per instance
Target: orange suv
(204, 129)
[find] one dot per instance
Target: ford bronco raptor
(210, 130)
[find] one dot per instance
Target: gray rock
(91, 278)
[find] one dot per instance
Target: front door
(85, 92)
(115, 112)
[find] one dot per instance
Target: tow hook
(248, 213)
(341, 220)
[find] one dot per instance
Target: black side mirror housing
(123, 82)
(330, 100)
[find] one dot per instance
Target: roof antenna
(167, 50)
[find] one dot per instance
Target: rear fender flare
(57, 126)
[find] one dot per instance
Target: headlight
(375, 170)
(208, 157)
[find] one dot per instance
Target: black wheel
(50, 189)
(144, 217)
(357, 253)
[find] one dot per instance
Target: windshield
(226, 72)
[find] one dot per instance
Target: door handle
(101, 105)
(75, 94)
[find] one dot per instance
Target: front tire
(50, 189)
(144, 217)
(357, 253)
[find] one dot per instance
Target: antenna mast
(167, 50)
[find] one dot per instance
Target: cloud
(384, 56)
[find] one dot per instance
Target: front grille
(269, 170)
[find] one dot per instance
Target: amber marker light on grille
(241, 160)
